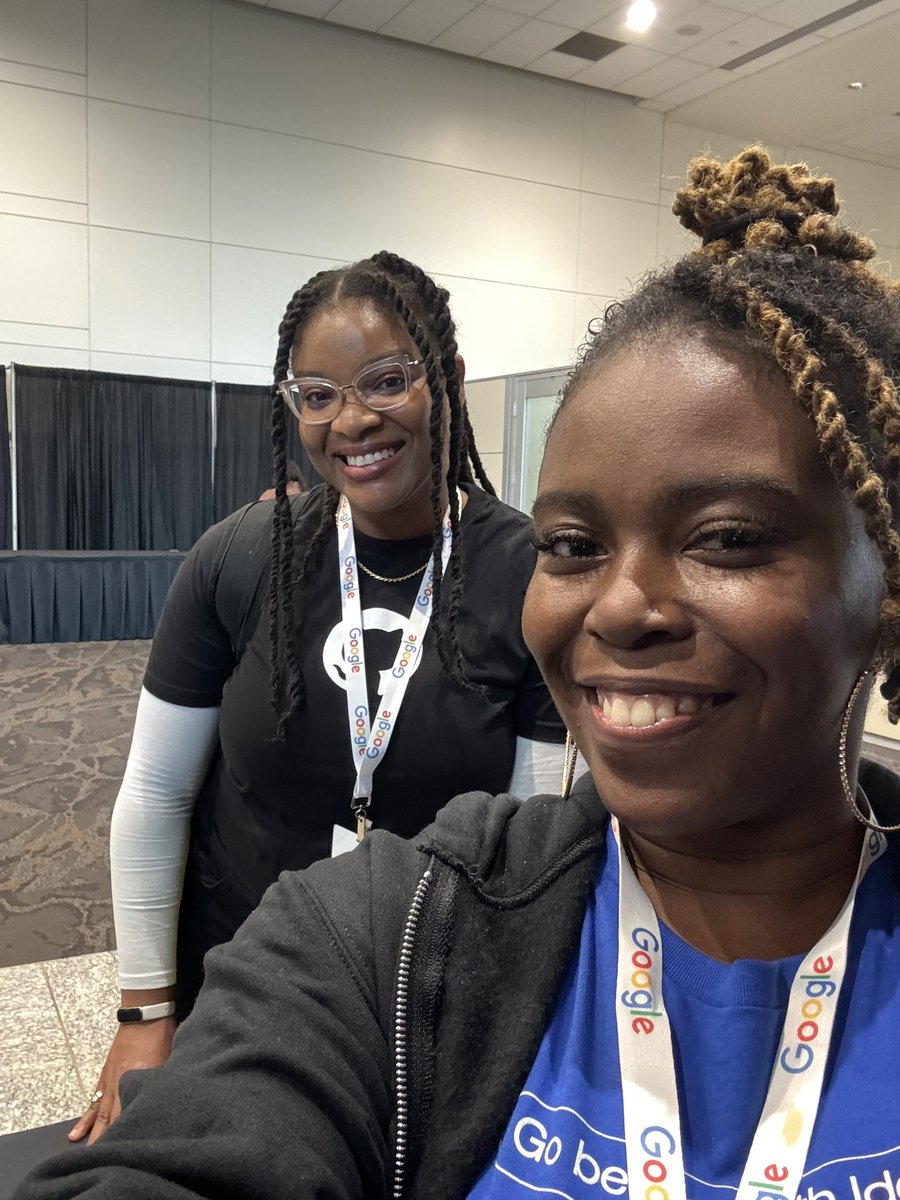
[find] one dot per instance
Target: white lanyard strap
(780, 1145)
(369, 739)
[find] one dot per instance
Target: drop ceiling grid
(664, 69)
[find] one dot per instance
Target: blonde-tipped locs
(779, 276)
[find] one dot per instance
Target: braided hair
(404, 293)
(777, 276)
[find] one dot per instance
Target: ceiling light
(640, 16)
(856, 86)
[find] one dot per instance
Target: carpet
(66, 715)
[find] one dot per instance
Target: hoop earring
(569, 760)
(869, 822)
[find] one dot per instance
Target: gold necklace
(396, 578)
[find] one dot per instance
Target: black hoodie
(369, 1029)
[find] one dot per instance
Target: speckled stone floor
(66, 712)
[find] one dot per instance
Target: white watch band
(145, 1012)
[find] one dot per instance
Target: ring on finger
(97, 1097)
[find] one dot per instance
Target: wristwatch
(146, 1012)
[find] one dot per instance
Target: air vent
(588, 46)
(794, 36)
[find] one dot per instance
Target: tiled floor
(57, 1020)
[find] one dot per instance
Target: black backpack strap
(243, 566)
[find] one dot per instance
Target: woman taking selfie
(684, 980)
(382, 648)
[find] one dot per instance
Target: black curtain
(5, 471)
(244, 446)
(111, 462)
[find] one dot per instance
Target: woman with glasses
(376, 668)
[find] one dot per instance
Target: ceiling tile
(657, 105)
(526, 43)
(877, 11)
(791, 50)
(580, 14)
(664, 76)
(423, 20)
(525, 8)
(801, 12)
(306, 8)
(622, 64)
(710, 19)
(563, 66)
(739, 39)
(613, 25)
(365, 14)
(750, 7)
(478, 30)
(702, 85)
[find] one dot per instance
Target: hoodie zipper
(400, 1029)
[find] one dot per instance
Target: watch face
(127, 1016)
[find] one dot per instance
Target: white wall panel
(149, 295)
(148, 170)
(43, 356)
(44, 272)
(250, 291)
(150, 364)
(39, 206)
(36, 335)
(152, 53)
(45, 33)
(274, 71)
(229, 372)
(502, 329)
(622, 148)
(617, 243)
(338, 203)
(42, 77)
(43, 139)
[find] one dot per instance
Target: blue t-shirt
(566, 1135)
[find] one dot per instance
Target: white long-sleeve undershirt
(171, 749)
(170, 752)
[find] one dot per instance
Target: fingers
(107, 1111)
(88, 1118)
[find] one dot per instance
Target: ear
(461, 367)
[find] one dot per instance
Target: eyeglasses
(382, 386)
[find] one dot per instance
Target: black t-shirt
(270, 804)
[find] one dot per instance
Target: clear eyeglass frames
(382, 386)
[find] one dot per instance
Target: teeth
(643, 714)
(366, 460)
(640, 712)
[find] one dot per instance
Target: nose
(354, 417)
(638, 603)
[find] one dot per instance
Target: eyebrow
(693, 491)
(368, 363)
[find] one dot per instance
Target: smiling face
(381, 461)
(705, 596)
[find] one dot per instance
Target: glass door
(530, 403)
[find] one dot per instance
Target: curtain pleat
(5, 470)
(111, 462)
(243, 454)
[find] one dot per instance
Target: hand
(134, 1048)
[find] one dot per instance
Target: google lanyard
(649, 1092)
(368, 740)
